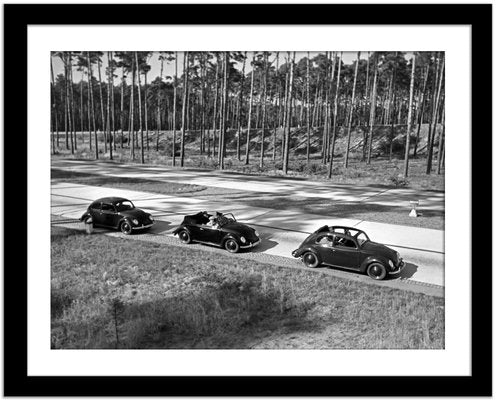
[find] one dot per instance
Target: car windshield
(124, 205)
(224, 219)
(361, 238)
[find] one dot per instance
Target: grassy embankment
(156, 296)
(381, 171)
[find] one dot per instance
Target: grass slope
(108, 294)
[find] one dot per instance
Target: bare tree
(247, 156)
(409, 121)
(185, 99)
(335, 118)
(350, 118)
(287, 129)
(372, 108)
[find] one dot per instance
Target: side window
(326, 240)
(95, 206)
(107, 207)
(344, 242)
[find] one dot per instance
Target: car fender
(85, 215)
(122, 220)
(372, 259)
(299, 252)
(180, 228)
(230, 236)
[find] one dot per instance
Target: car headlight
(243, 240)
(391, 264)
(135, 221)
(256, 234)
(150, 217)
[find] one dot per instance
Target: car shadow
(160, 227)
(266, 244)
(407, 272)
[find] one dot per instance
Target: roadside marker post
(414, 205)
(88, 224)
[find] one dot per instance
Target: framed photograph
(264, 204)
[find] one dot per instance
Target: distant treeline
(242, 92)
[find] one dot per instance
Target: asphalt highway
(281, 231)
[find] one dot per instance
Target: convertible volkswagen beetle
(217, 229)
(117, 213)
(351, 248)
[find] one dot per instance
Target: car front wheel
(184, 237)
(310, 259)
(231, 246)
(126, 228)
(376, 271)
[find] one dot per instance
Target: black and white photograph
(278, 202)
(247, 199)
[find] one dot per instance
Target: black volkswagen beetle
(217, 229)
(351, 248)
(117, 213)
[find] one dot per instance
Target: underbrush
(109, 293)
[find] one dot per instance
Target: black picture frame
(17, 18)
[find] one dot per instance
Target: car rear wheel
(126, 228)
(376, 271)
(184, 237)
(231, 246)
(310, 259)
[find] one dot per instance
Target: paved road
(281, 231)
(429, 200)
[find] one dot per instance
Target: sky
(348, 58)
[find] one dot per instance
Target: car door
(325, 246)
(346, 253)
(96, 213)
(210, 234)
(109, 215)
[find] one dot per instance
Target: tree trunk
(335, 122)
(101, 105)
(185, 99)
(112, 98)
(365, 104)
(440, 151)
(372, 109)
(131, 110)
(434, 118)
(392, 100)
(240, 105)
(66, 104)
(276, 110)
(174, 112)
(328, 109)
(287, 130)
(73, 121)
(264, 110)
(109, 133)
(216, 99)
(54, 106)
(146, 114)
(81, 108)
(222, 145)
(350, 118)
(247, 156)
(308, 107)
(409, 122)
(90, 78)
(122, 108)
(421, 113)
(326, 86)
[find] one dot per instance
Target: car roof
(331, 228)
(111, 200)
